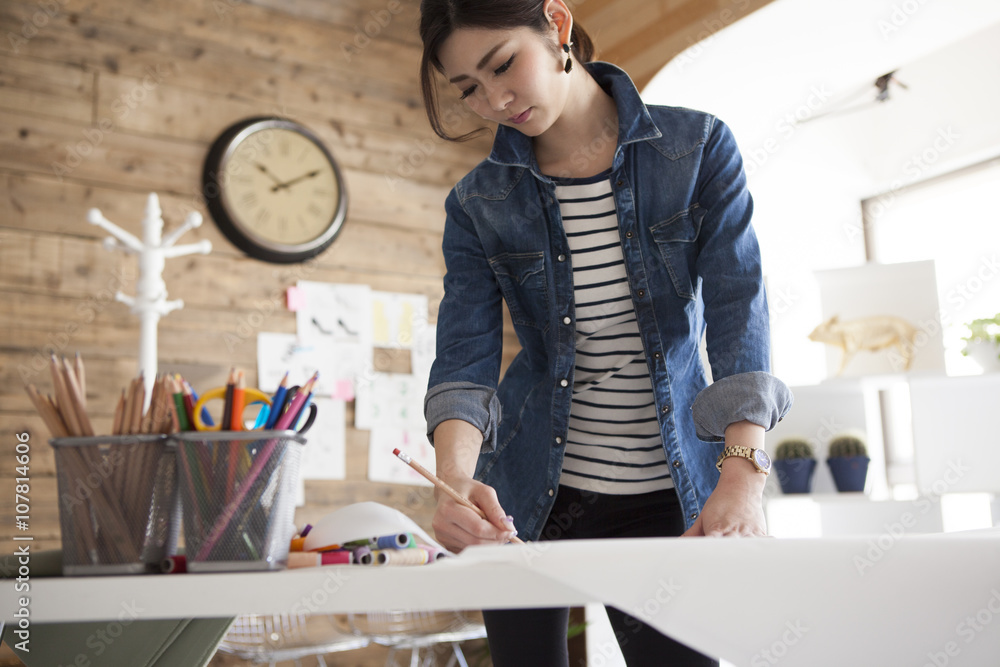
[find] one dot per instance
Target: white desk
(866, 601)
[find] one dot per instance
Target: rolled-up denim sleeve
(466, 370)
(469, 402)
(757, 397)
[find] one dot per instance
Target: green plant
(985, 330)
(793, 448)
(847, 444)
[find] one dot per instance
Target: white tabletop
(880, 600)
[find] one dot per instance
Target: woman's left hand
(734, 508)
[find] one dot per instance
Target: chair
(415, 631)
(271, 639)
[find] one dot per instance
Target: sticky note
(295, 298)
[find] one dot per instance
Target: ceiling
(641, 36)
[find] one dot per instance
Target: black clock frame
(213, 181)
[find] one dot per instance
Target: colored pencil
(277, 402)
(291, 416)
(227, 410)
(179, 408)
(239, 399)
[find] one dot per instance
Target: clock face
(281, 196)
(763, 460)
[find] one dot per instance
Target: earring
(569, 58)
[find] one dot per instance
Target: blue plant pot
(849, 472)
(795, 475)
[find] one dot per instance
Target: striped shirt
(613, 445)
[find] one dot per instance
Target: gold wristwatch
(758, 457)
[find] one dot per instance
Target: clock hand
(264, 170)
(286, 184)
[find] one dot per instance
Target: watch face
(281, 195)
(762, 459)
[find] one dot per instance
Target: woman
(615, 233)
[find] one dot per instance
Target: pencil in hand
(446, 488)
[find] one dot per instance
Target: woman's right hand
(456, 526)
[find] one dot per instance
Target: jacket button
(657, 355)
(561, 258)
(694, 515)
(564, 383)
(665, 409)
(628, 235)
(620, 182)
(567, 320)
(551, 493)
(558, 440)
(677, 463)
(641, 293)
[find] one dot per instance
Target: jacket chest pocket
(677, 240)
(522, 281)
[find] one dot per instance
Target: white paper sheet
(384, 466)
(281, 352)
(390, 399)
(337, 319)
(335, 312)
(324, 453)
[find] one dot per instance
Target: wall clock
(274, 190)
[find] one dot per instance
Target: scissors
(252, 397)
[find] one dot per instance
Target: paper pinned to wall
(337, 318)
(281, 352)
(324, 455)
(390, 399)
(423, 352)
(397, 318)
(338, 313)
(384, 466)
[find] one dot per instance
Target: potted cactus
(848, 460)
(794, 462)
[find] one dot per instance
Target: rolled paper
(401, 556)
(433, 553)
(363, 555)
(298, 544)
(398, 541)
(337, 558)
(298, 559)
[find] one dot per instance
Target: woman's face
(513, 77)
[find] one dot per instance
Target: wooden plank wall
(103, 102)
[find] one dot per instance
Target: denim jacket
(693, 266)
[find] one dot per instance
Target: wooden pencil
(62, 403)
(140, 401)
(47, 412)
(116, 424)
(447, 488)
(81, 378)
(76, 399)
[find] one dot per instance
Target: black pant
(537, 637)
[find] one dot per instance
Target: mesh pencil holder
(118, 507)
(238, 498)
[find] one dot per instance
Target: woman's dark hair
(439, 18)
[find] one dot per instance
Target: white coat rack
(150, 301)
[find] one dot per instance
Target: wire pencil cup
(118, 505)
(238, 497)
